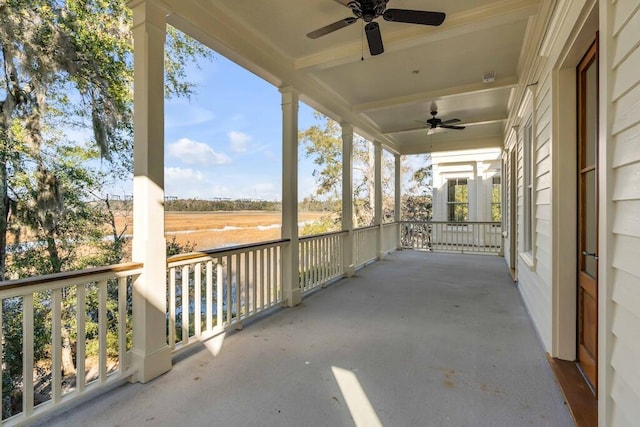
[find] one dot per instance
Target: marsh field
(209, 230)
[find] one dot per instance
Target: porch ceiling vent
(489, 77)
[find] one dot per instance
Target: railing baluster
(172, 307)
(248, 274)
(269, 278)
(219, 293)
(278, 274)
(309, 266)
(185, 304)
(122, 324)
(209, 296)
(82, 341)
(102, 330)
(263, 279)
(27, 354)
(257, 256)
(229, 287)
(238, 285)
(56, 345)
(197, 299)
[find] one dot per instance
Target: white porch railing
(320, 259)
(365, 243)
(389, 237)
(210, 291)
(207, 293)
(447, 236)
(91, 305)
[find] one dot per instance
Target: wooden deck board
(582, 404)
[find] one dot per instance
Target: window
(527, 158)
(457, 200)
(496, 199)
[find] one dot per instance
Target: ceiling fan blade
(452, 127)
(332, 27)
(372, 29)
(448, 122)
(414, 16)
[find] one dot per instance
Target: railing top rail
(69, 275)
(451, 222)
(212, 253)
(320, 235)
(368, 227)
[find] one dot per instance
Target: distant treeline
(197, 205)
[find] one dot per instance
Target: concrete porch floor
(432, 339)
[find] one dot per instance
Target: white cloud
(194, 152)
(180, 174)
(186, 183)
(238, 141)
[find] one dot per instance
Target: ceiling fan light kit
(368, 11)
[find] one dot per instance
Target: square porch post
(151, 355)
(348, 266)
(378, 198)
(292, 294)
(397, 201)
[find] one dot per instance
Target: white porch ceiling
(385, 97)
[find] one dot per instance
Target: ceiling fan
(368, 10)
(435, 122)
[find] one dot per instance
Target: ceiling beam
(483, 17)
(436, 95)
(432, 146)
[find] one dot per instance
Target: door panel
(587, 322)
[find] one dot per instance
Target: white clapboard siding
(624, 284)
(535, 283)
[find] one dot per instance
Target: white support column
(347, 199)
(292, 295)
(398, 198)
(151, 354)
(378, 197)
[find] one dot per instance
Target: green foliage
(416, 207)
(325, 224)
(323, 143)
(176, 248)
(197, 205)
(496, 201)
(66, 65)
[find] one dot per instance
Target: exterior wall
(478, 166)
(620, 60)
(534, 267)
(509, 203)
(546, 273)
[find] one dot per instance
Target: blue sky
(226, 141)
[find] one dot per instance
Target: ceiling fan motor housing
(368, 10)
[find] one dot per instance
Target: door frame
(564, 184)
(592, 58)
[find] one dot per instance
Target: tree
(323, 143)
(416, 200)
(65, 65)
